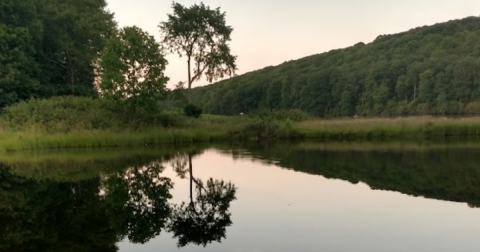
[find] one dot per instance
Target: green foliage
(18, 33)
(427, 70)
(294, 115)
(265, 128)
(64, 66)
(202, 35)
(61, 114)
(48, 47)
(70, 114)
(133, 68)
(192, 111)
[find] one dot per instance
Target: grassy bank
(387, 128)
(68, 122)
(222, 129)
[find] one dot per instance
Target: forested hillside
(427, 70)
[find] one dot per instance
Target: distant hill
(427, 70)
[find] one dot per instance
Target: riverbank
(390, 128)
(210, 129)
(79, 122)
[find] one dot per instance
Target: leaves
(200, 34)
(133, 68)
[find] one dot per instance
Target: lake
(305, 196)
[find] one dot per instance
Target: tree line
(431, 70)
(74, 47)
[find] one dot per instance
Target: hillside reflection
(443, 172)
(91, 200)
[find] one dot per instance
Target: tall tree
(18, 32)
(202, 35)
(132, 68)
(48, 47)
(74, 34)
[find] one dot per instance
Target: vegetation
(201, 34)
(132, 70)
(52, 48)
(433, 70)
(386, 128)
(64, 122)
(192, 111)
(48, 47)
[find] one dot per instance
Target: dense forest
(48, 47)
(427, 70)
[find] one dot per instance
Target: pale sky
(270, 32)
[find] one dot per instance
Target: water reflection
(204, 219)
(94, 214)
(91, 201)
(444, 172)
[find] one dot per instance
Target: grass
(78, 122)
(89, 139)
(384, 128)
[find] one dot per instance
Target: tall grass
(67, 122)
(381, 128)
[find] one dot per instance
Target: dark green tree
(49, 47)
(74, 33)
(132, 67)
(201, 35)
(19, 33)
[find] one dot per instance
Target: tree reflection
(137, 201)
(94, 214)
(205, 219)
(52, 216)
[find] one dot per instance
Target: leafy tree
(18, 33)
(48, 47)
(202, 35)
(74, 33)
(132, 68)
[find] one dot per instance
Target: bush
(67, 114)
(192, 111)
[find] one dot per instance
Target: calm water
(287, 197)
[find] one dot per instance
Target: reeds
(381, 128)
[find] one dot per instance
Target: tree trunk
(189, 82)
(191, 177)
(71, 71)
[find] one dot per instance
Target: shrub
(67, 114)
(192, 111)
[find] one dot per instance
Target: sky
(270, 32)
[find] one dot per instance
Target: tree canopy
(48, 47)
(427, 70)
(132, 67)
(202, 35)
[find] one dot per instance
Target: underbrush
(381, 128)
(70, 114)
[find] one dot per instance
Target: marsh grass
(96, 139)
(75, 122)
(383, 128)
